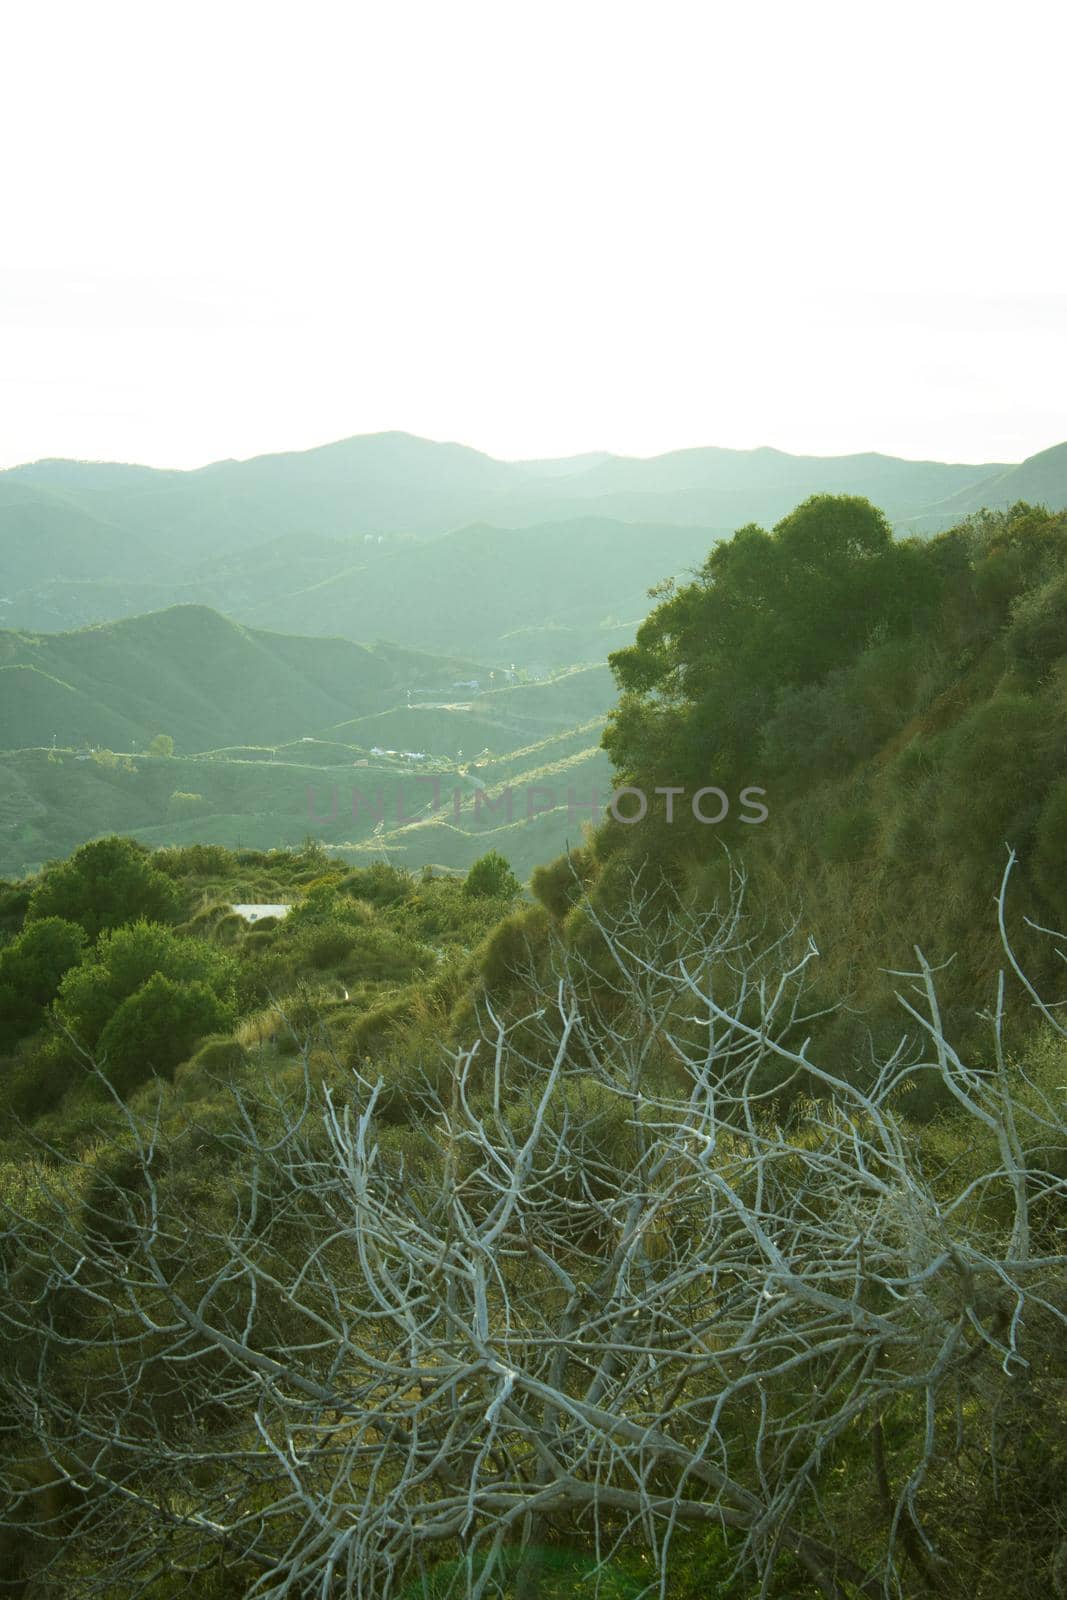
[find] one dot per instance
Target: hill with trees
(82, 542)
(693, 1219)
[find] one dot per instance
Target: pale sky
(538, 228)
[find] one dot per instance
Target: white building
(256, 913)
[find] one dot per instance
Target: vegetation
(387, 534)
(689, 1226)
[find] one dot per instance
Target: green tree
(161, 745)
(1037, 636)
(767, 611)
(491, 875)
(31, 968)
(124, 961)
(157, 1027)
(104, 884)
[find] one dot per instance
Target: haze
(540, 230)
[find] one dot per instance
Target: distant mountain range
(333, 540)
(289, 619)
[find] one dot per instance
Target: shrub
(182, 803)
(126, 959)
(156, 1028)
(328, 945)
(560, 883)
(510, 948)
(1050, 856)
(998, 762)
(492, 877)
(103, 885)
(31, 969)
(381, 884)
(194, 860)
(1037, 634)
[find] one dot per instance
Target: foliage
(767, 611)
(998, 759)
(161, 745)
(31, 968)
(492, 877)
(104, 884)
(124, 961)
(577, 1290)
(848, 835)
(1038, 631)
(156, 1027)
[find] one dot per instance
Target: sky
(532, 227)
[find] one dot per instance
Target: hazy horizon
(516, 460)
(545, 234)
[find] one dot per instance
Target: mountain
(1039, 480)
(83, 542)
(542, 596)
(203, 679)
(274, 733)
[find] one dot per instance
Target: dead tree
(600, 1285)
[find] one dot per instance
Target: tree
(31, 968)
(123, 962)
(766, 611)
(184, 803)
(161, 745)
(491, 875)
(602, 1287)
(104, 884)
(158, 1026)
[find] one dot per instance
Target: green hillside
(83, 542)
(195, 675)
(502, 594)
(752, 1134)
(261, 759)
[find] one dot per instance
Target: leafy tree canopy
(125, 961)
(157, 1027)
(104, 884)
(766, 611)
(31, 968)
(492, 876)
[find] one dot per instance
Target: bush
(849, 835)
(31, 969)
(126, 959)
(381, 884)
(1050, 856)
(560, 883)
(103, 885)
(510, 948)
(329, 944)
(184, 804)
(492, 877)
(1037, 634)
(818, 728)
(998, 762)
(156, 1028)
(194, 860)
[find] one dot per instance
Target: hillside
(267, 747)
(197, 676)
(85, 542)
(764, 1159)
(539, 596)
(1039, 480)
